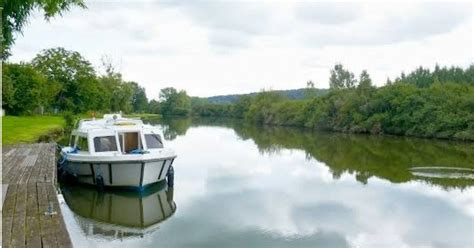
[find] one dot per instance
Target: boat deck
(30, 208)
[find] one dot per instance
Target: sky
(227, 47)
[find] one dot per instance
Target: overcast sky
(213, 47)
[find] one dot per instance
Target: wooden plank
(12, 169)
(10, 152)
(6, 231)
(32, 201)
(26, 151)
(20, 205)
(16, 172)
(44, 168)
(6, 167)
(42, 195)
(35, 174)
(9, 205)
(26, 175)
(30, 160)
(18, 231)
(63, 238)
(48, 238)
(19, 218)
(52, 196)
(33, 237)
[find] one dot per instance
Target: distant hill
(293, 94)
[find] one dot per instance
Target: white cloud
(328, 12)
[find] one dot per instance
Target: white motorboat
(116, 151)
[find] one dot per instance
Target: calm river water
(248, 186)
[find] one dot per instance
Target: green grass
(28, 129)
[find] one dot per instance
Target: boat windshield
(82, 144)
(153, 141)
(105, 144)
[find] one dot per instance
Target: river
(239, 185)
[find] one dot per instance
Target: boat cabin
(115, 135)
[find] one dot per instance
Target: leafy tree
(139, 99)
(8, 91)
(341, 78)
(15, 15)
(365, 83)
(242, 106)
(173, 102)
(76, 76)
(22, 88)
(261, 107)
(168, 98)
(154, 107)
(364, 80)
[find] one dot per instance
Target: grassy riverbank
(29, 129)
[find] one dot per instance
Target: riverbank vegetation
(59, 80)
(423, 103)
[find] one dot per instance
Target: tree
(8, 90)
(139, 99)
(341, 78)
(80, 90)
(15, 15)
(310, 91)
(22, 88)
(173, 102)
(154, 107)
(365, 83)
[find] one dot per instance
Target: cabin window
(153, 141)
(82, 144)
(130, 141)
(105, 144)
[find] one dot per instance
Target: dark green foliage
(154, 107)
(62, 80)
(173, 102)
(139, 99)
(79, 90)
(69, 122)
(25, 89)
(423, 77)
(415, 107)
(210, 110)
(15, 14)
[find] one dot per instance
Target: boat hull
(136, 173)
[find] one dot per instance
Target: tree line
(59, 80)
(422, 103)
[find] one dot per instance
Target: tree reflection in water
(363, 156)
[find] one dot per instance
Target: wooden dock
(31, 213)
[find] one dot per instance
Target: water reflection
(396, 159)
(246, 186)
(119, 214)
